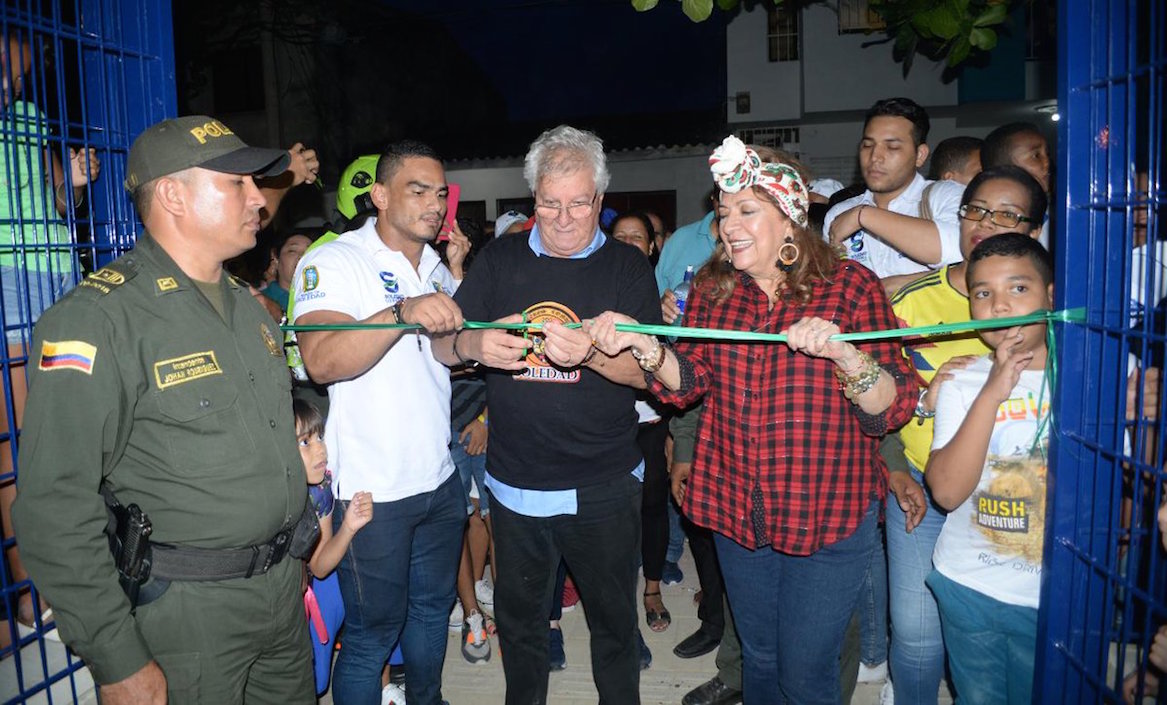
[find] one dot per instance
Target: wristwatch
(921, 410)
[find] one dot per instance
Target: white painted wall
(775, 88)
(835, 72)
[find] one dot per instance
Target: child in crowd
(988, 469)
(325, 609)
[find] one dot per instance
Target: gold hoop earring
(788, 255)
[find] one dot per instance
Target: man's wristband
(464, 361)
(397, 311)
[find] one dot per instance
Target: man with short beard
(389, 421)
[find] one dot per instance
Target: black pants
(712, 609)
(600, 543)
(654, 510)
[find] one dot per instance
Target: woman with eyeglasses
(786, 470)
(999, 200)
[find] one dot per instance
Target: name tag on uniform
(177, 370)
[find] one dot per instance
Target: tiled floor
(664, 683)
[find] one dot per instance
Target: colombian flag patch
(68, 355)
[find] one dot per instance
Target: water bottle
(682, 291)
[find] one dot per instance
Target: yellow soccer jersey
(928, 301)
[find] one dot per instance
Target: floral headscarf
(735, 167)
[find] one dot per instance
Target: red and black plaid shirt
(776, 426)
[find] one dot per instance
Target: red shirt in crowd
(775, 425)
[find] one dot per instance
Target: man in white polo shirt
(903, 225)
(388, 428)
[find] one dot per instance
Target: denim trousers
(397, 581)
(873, 609)
(601, 545)
(917, 644)
(991, 644)
(791, 613)
(471, 467)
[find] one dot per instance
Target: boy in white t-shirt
(988, 468)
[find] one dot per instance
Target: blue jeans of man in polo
(991, 644)
(791, 613)
(397, 580)
(917, 645)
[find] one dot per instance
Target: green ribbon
(1074, 315)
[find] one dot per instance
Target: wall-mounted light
(1051, 110)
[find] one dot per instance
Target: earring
(788, 254)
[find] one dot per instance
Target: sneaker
(484, 593)
(671, 574)
(556, 658)
(570, 597)
(887, 694)
(645, 653)
(872, 674)
(456, 617)
(475, 644)
(393, 694)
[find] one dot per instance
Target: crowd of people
(864, 510)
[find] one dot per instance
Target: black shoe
(645, 653)
(697, 644)
(712, 692)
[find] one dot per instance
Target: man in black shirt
(563, 467)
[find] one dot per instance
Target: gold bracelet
(652, 360)
(862, 381)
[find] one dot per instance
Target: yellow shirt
(928, 301)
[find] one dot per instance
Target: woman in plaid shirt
(787, 470)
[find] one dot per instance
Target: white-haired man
(564, 467)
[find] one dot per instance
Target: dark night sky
(585, 57)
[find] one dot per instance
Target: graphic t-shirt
(992, 543)
(321, 496)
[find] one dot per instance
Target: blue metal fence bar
(1104, 580)
(112, 75)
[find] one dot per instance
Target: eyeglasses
(575, 211)
(1005, 219)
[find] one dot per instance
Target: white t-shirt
(992, 543)
(388, 430)
(1148, 261)
(885, 260)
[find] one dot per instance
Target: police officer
(160, 378)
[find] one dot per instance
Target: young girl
(323, 601)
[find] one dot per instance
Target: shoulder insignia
(111, 276)
(166, 283)
(67, 355)
(269, 339)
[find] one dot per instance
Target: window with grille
(785, 138)
(782, 33)
(857, 16)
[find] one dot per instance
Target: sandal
(657, 620)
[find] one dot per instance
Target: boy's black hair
(952, 154)
(308, 418)
(999, 142)
(1014, 245)
(902, 107)
(1038, 201)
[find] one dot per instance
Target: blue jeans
(781, 601)
(991, 644)
(471, 467)
(917, 645)
(27, 294)
(676, 533)
(873, 609)
(397, 580)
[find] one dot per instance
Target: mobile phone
(451, 211)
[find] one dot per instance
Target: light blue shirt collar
(537, 244)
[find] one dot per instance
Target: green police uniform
(137, 379)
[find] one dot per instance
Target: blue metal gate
(78, 75)
(1104, 585)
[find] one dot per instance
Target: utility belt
(146, 569)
